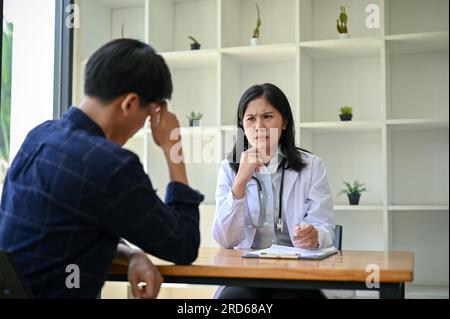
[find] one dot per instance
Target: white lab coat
(306, 197)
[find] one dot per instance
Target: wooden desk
(346, 270)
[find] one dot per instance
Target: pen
(285, 256)
(302, 226)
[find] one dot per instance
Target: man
(72, 191)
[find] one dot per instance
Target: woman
(266, 170)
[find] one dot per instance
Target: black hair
(278, 100)
(127, 66)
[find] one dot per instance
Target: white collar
(274, 163)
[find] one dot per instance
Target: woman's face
(263, 126)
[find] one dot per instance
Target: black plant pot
(195, 46)
(354, 199)
(194, 123)
(346, 117)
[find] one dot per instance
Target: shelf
(120, 4)
(418, 167)
(239, 73)
(128, 20)
(342, 49)
(109, 18)
(426, 235)
(418, 42)
(239, 19)
(358, 208)
(228, 140)
(196, 90)
(201, 130)
(349, 157)
(172, 21)
(141, 133)
(416, 16)
(136, 145)
(344, 127)
(318, 19)
(417, 85)
(202, 175)
(191, 59)
(229, 128)
(417, 124)
(419, 208)
(261, 54)
(363, 230)
(325, 88)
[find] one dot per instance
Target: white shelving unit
(395, 77)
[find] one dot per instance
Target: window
(27, 80)
(5, 92)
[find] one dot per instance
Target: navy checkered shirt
(71, 194)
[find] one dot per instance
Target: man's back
(72, 191)
(53, 190)
(63, 205)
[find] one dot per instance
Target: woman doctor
(269, 191)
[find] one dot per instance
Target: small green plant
(194, 119)
(356, 189)
(256, 32)
(195, 45)
(194, 40)
(346, 110)
(342, 21)
(195, 116)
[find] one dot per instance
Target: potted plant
(195, 45)
(254, 41)
(346, 114)
(342, 24)
(194, 119)
(354, 192)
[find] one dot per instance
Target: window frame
(63, 69)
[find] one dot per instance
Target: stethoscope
(262, 205)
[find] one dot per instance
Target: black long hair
(278, 100)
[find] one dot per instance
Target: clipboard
(283, 252)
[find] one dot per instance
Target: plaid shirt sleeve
(133, 211)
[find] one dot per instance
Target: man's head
(130, 81)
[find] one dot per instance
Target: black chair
(338, 237)
(11, 284)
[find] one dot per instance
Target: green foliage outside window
(5, 102)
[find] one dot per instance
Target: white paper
(288, 251)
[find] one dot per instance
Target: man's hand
(144, 277)
(306, 237)
(163, 123)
